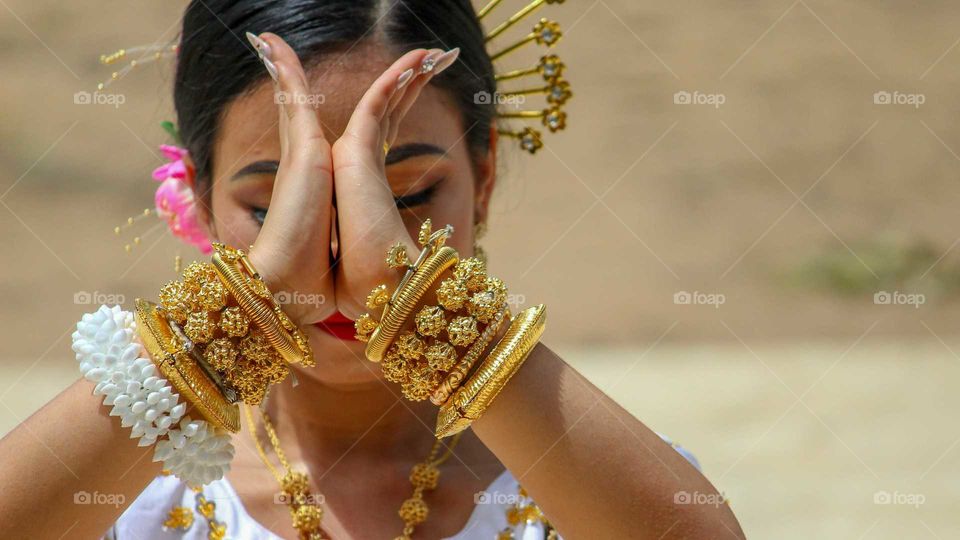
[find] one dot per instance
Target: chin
(340, 361)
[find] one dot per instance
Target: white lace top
(144, 518)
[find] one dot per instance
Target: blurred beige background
(808, 190)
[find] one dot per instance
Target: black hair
(217, 65)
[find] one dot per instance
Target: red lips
(340, 326)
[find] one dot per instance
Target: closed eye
(416, 199)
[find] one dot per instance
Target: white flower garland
(110, 356)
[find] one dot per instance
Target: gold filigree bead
(378, 297)
(452, 294)
(485, 305)
(212, 296)
(176, 299)
(234, 322)
(365, 326)
(200, 327)
(421, 381)
(410, 346)
(397, 256)
(295, 483)
(414, 391)
(441, 356)
(257, 349)
(425, 476)
(430, 321)
(393, 366)
(197, 273)
(462, 331)
(307, 517)
(473, 272)
(414, 510)
(221, 354)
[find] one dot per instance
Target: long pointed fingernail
(262, 47)
(404, 78)
(429, 61)
(271, 69)
(446, 60)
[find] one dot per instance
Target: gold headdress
(545, 33)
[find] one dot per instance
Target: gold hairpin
(546, 32)
(530, 8)
(144, 55)
(550, 67)
(557, 91)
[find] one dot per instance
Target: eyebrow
(396, 155)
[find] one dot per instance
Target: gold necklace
(305, 509)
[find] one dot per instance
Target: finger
(304, 133)
(406, 101)
(365, 127)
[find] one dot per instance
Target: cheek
(232, 222)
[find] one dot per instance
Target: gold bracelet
(406, 299)
(182, 370)
(456, 375)
(470, 401)
(254, 298)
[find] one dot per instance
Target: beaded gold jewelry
(177, 362)
(434, 259)
(254, 298)
(458, 372)
(473, 398)
(305, 509)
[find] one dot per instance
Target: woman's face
(429, 170)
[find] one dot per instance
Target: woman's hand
(368, 219)
(292, 251)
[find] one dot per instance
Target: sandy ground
(803, 403)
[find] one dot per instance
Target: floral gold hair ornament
(557, 89)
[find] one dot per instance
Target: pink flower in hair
(175, 200)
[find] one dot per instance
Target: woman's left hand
(367, 216)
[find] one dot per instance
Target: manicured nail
(262, 47)
(446, 60)
(404, 78)
(429, 61)
(271, 69)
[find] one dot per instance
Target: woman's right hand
(293, 250)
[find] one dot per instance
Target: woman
(307, 185)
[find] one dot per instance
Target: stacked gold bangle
(219, 336)
(410, 348)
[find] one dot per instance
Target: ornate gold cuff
(473, 398)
